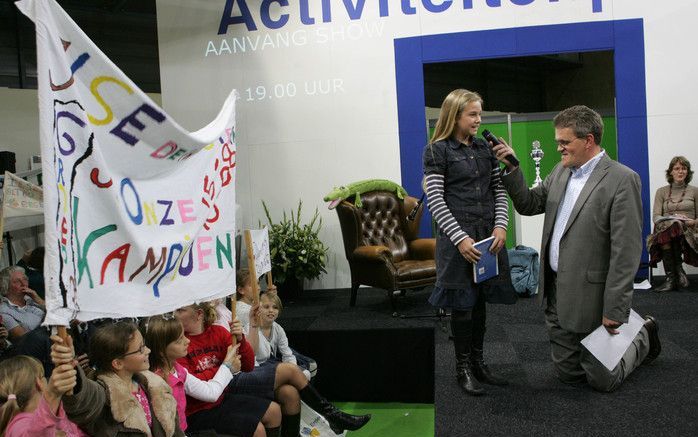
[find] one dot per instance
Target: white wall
(300, 146)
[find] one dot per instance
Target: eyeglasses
(565, 143)
(140, 350)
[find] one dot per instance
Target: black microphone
(411, 216)
(491, 138)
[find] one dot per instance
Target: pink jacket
(42, 423)
(177, 384)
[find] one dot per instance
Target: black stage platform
(366, 354)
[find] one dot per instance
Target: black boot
(480, 369)
(482, 372)
(464, 374)
(290, 425)
(671, 281)
(462, 329)
(339, 420)
(275, 432)
(681, 278)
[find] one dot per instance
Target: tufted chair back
(382, 219)
(381, 245)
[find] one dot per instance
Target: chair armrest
(423, 248)
(372, 254)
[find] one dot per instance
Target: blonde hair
(273, 298)
(17, 377)
(451, 108)
(210, 314)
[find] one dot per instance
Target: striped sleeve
(501, 207)
(437, 205)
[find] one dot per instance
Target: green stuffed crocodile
(357, 188)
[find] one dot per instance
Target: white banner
(20, 201)
(20, 197)
(260, 249)
(139, 212)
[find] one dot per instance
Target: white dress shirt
(575, 184)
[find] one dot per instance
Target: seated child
(125, 398)
(272, 344)
(30, 405)
(226, 413)
(283, 382)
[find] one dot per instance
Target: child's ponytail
(17, 386)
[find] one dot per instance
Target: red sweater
(206, 353)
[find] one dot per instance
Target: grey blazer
(601, 246)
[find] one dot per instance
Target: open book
(670, 217)
(487, 267)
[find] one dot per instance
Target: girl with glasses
(125, 398)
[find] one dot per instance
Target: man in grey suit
(591, 248)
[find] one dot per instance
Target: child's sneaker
(312, 368)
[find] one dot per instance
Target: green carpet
(392, 419)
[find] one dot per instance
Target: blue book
(487, 267)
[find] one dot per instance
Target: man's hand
(500, 238)
(466, 248)
(611, 326)
(501, 150)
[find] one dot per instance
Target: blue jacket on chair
(525, 266)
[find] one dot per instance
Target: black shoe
(339, 421)
(655, 344)
(668, 285)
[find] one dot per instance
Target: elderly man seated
(22, 309)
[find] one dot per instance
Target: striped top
(443, 216)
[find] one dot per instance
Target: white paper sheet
(609, 349)
(644, 285)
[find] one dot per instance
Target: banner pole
(251, 267)
(233, 309)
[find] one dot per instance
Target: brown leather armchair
(381, 245)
